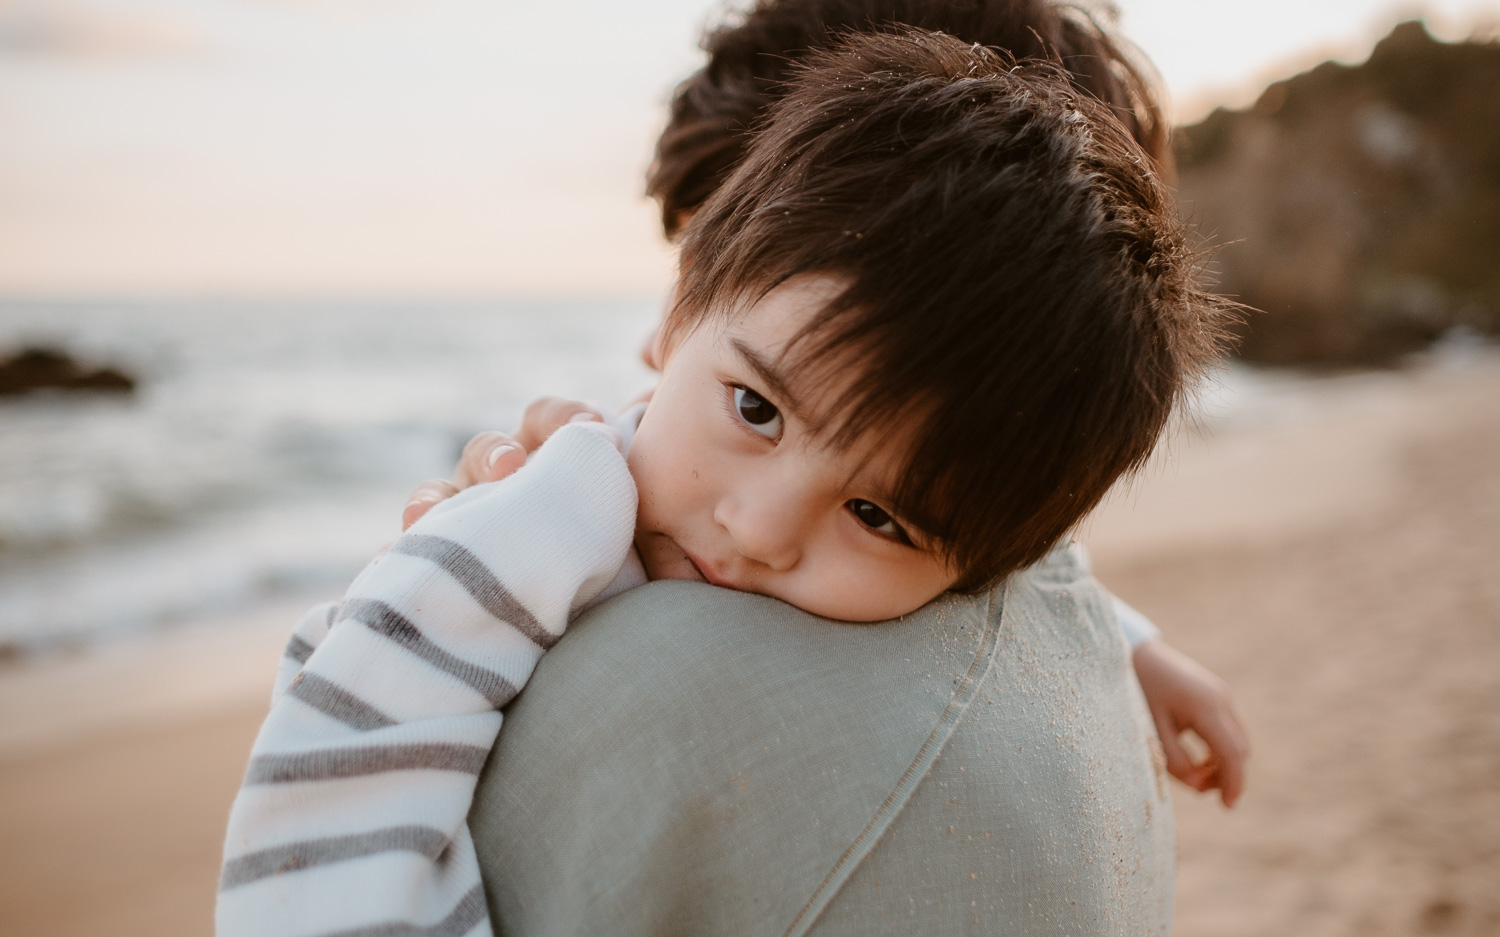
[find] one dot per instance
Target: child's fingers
(1230, 744)
(488, 457)
(503, 459)
(1201, 777)
(1231, 784)
(424, 497)
(546, 415)
(1179, 762)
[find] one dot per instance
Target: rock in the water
(44, 369)
(1358, 207)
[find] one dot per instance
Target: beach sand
(1345, 583)
(116, 772)
(1333, 558)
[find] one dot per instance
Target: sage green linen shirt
(696, 761)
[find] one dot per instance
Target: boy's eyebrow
(775, 381)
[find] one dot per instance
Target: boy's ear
(651, 351)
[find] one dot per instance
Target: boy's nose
(765, 525)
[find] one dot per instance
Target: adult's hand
(489, 457)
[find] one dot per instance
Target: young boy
(938, 310)
(750, 58)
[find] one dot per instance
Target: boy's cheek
(665, 473)
(862, 592)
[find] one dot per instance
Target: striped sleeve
(309, 632)
(351, 817)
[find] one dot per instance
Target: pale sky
(431, 148)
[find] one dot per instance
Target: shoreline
(1331, 559)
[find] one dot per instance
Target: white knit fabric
(352, 817)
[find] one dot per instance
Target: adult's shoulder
(698, 761)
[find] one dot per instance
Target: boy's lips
(709, 574)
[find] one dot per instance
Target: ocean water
(269, 448)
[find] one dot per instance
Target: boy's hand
(490, 457)
(1185, 696)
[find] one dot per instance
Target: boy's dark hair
(1017, 285)
(713, 110)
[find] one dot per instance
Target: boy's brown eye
(761, 415)
(875, 517)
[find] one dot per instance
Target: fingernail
(584, 417)
(497, 452)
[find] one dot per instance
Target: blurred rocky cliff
(1357, 206)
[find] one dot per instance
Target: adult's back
(695, 761)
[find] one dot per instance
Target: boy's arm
(309, 632)
(352, 817)
(1184, 696)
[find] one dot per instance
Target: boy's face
(736, 489)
